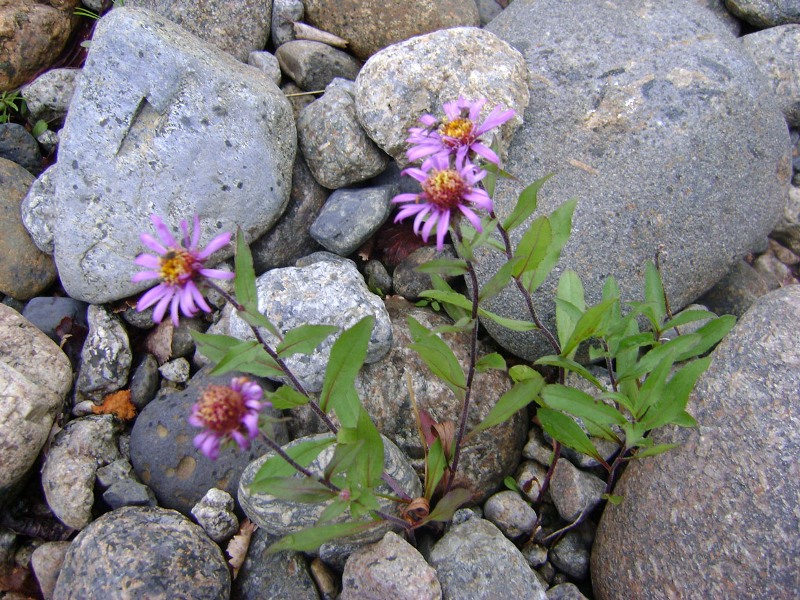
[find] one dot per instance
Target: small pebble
(214, 513)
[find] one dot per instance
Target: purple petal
(153, 295)
(152, 243)
(196, 233)
(428, 227)
(496, 118)
(417, 174)
(161, 307)
(428, 120)
(197, 296)
(480, 199)
(250, 421)
(441, 229)
(163, 232)
(173, 309)
(420, 217)
(400, 198)
(222, 240)
(485, 152)
(147, 260)
(471, 216)
(216, 273)
(144, 276)
(185, 229)
(242, 441)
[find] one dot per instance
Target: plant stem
(297, 466)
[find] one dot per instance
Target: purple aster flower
(179, 266)
(459, 132)
(445, 190)
(227, 413)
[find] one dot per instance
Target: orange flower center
(445, 189)
(460, 129)
(221, 408)
(175, 265)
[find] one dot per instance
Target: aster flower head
(448, 191)
(458, 133)
(227, 412)
(179, 267)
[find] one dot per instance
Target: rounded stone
(144, 552)
(717, 516)
(765, 13)
(19, 146)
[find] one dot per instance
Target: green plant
(11, 105)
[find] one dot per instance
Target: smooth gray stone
(313, 65)
(765, 13)
(285, 13)
(19, 146)
(128, 492)
(47, 312)
(350, 217)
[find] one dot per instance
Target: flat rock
(640, 132)
(162, 123)
(401, 83)
(717, 516)
(150, 552)
(370, 25)
(350, 217)
(35, 376)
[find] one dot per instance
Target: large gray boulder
(163, 123)
(718, 516)
(658, 122)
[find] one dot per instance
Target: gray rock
(182, 340)
(322, 293)
(46, 562)
(788, 229)
(775, 52)
(686, 513)
(285, 13)
(278, 575)
(647, 107)
(48, 140)
(119, 470)
(47, 313)
(164, 456)
(772, 269)
(24, 270)
(350, 217)
(475, 561)
(282, 517)
(383, 389)
(719, 9)
(162, 123)
(69, 470)
(488, 10)
(765, 13)
(35, 376)
(176, 370)
(335, 146)
(290, 239)
(391, 568)
(266, 63)
(106, 356)
(401, 83)
(39, 212)
(530, 476)
(512, 515)
(19, 146)
(298, 98)
(537, 448)
(214, 513)
(47, 97)
(410, 283)
(369, 25)
(737, 291)
(313, 65)
(128, 492)
(378, 278)
(571, 556)
(236, 27)
(574, 491)
(535, 554)
(565, 591)
(144, 382)
(117, 552)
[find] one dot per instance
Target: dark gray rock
(38, 212)
(164, 456)
(475, 560)
(313, 65)
(765, 13)
(638, 131)
(267, 64)
(787, 232)
(19, 146)
(410, 283)
(369, 25)
(154, 552)
(106, 356)
(289, 240)
(737, 291)
(350, 217)
(47, 313)
(162, 123)
(128, 492)
(571, 556)
(278, 575)
(114, 472)
(529, 477)
(574, 491)
(25, 271)
(378, 278)
(236, 27)
(182, 340)
(144, 382)
(488, 10)
(401, 83)
(720, 11)
(775, 52)
(47, 97)
(565, 591)
(334, 144)
(298, 98)
(285, 13)
(510, 513)
(686, 513)
(177, 370)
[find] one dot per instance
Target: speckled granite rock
(143, 552)
(717, 517)
(765, 13)
(105, 358)
(47, 97)
(313, 65)
(351, 217)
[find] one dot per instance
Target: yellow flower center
(445, 189)
(460, 129)
(221, 408)
(175, 264)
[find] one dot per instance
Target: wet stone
(312, 65)
(410, 283)
(47, 313)
(157, 552)
(106, 356)
(267, 64)
(378, 278)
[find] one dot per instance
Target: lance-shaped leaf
(344, 455)
(654, 293)
(515, 399)
(560, 227)
(513, 324)
(676, 394)
(296, 489)
(657, 355)
(490, 361)
(434, 467)
(309, 540)
(248, 357)
(333, 510)
(591, 324)
(567, 364)
(710, 333)
(688, 316)
(654, 450)
(497, 282)
(563, 429)
(244, 285)
(580, 404)
(369, 465)
(448, 267)
(286, 397)
(523, 372)
(533, 247)
(448, 505)
(347, 356)
(570, 305)
(454, 311)
(526, 204)
(652, 389)
(304, 339)
(303, 453)
(438, 356)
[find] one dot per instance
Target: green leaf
(570, 305)
(554, 360)
(347, 356)
(454, 311)
(652, 389)
(344, 455)
(615, 500)
(447, 506)
(676, 394)
(684, 420)
(523, 372)
(248, 357)
(304, 339)
(688, 316)
(580, 404)
(309, 540)
(657, 355)
(256, 319)
(245, 281)
(215, 347)
(438, 356)
(286, 397)
(526, 204)
(498, 281)
(560, 227)
(654, 293)
(563, 429)
(448, 297)
(514, 400)
(489, 362)
(333, 510)
(533, 246)
(303, 453)
(371, 459)
(591, 324)
(296, 489)
(435, 464)
(513, 324)
(710, 333)
(511, 484)
(619, 398)
(653, 450)
(450, 267)
(39, 128)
